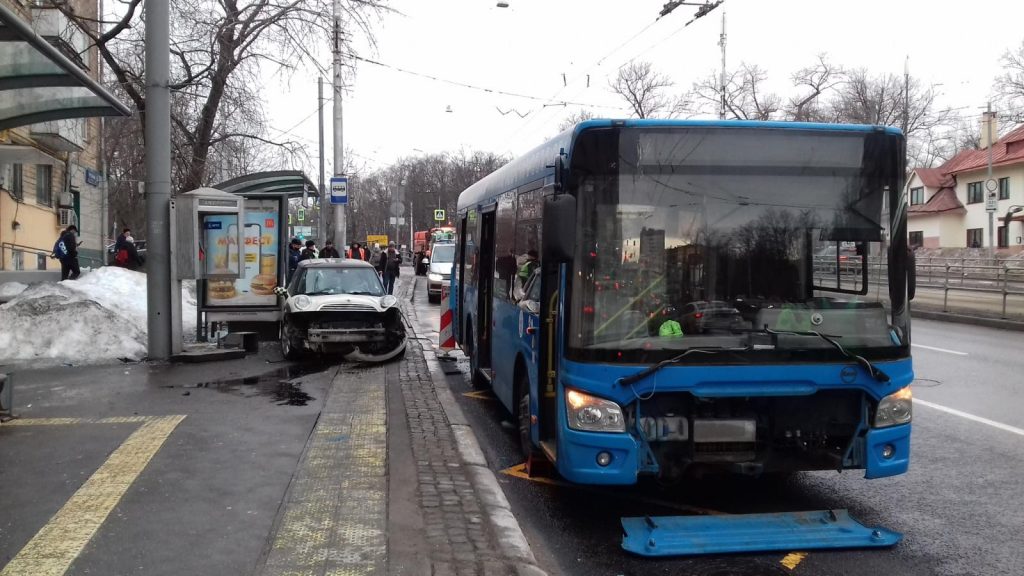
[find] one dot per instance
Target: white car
(339, 306)
(439, 271)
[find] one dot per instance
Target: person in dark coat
(294, 255)
(309, 252)
(390, 261)
(126, 254)
(329, 250)
(68, 255)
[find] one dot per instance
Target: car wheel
(289, 348)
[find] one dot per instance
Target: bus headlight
(593, 414)
(896, 408)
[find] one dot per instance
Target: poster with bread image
(259, 254)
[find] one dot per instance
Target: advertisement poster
(259, 264)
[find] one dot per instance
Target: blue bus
(666, 297)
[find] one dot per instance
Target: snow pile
(98, 318)
(9, 290)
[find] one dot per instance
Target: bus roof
(535, 164)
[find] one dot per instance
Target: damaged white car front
(339, 307)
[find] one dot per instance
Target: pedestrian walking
(390, 262)
(66, 250)
(329, 250)
(126, 254)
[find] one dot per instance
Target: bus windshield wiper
(638, 376)
(875, 373)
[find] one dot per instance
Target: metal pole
(991, 214)
(158, 180)
(322, 223)
(340, 233)
(721, 42)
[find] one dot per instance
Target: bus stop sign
(339, 190)
(439, 215)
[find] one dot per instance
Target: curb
(950, 317)
(512, 542)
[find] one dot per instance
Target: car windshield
(708, 238)
(357, 281)
(443, 253)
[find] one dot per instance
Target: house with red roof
(947, 204)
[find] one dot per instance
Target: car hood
(444, 268)
(342, 303)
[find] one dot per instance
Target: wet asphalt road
(960, 508)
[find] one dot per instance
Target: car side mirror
(282, 292)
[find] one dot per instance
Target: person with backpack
(66, 250)
(126, 255)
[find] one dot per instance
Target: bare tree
(888, 100)
(217, 49)
(575, 118)
(645, 90)
(1009, 86)
(813, 82)
(745, 97)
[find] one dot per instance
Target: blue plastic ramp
(786, 531)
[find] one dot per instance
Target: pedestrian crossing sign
(439, 215)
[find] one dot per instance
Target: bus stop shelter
(248, 303)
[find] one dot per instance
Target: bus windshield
(732, 238)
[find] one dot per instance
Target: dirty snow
(101, 317)
(9, 290)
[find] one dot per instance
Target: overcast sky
(526, 48)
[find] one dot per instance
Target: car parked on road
(700, 317)
(439, 272)
(339, 307)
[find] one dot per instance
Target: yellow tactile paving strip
(52, 550)
(335, 518)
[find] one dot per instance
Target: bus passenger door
(485, 292)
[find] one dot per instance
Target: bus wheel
(525, 440)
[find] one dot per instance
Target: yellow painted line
(479, 395)
(519, 471)
(73, 421)
(52, 550)
(793, 559)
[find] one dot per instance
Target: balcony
(62, 33)
(61, 135)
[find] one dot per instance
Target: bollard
(1006, 285)
(445, 339)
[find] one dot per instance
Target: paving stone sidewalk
(335, 517)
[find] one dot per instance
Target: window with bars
(975, 192)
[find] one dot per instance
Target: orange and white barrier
(446, 339)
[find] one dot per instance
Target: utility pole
(721, 42)
(158, 180)
(990, 183)
(340, 233)
(906, 95)
(323, 202)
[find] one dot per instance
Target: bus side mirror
(559, 167)
(559, 229)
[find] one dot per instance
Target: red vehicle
(422, 241)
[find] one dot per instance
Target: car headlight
(388, 301)
(435, 277)
(301, 302)
(593, 414)
(896, 408)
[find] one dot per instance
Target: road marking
(54, 548)
(75, 421)
(955, 412)
(793, 559)
(947, 351)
